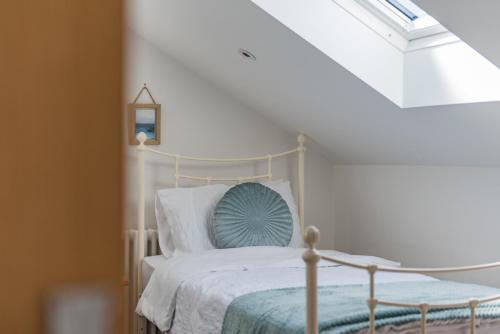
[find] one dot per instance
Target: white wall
(423, 216)
(200, 119)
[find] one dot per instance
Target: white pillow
(164, 234)
(184, 225)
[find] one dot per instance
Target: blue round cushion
(251, 214)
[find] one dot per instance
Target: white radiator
(133, 323)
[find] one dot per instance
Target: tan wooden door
(60, 155)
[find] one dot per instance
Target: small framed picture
(144, 118)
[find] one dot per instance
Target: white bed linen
(199, 287)
(202, 301)
(149, 265)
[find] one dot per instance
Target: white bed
(199, 287)
(189, 290)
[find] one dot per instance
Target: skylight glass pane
(403, 9)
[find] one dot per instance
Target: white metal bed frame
(312, 257)
(311, 236)
(142, 149)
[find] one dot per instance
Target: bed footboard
(312, 257)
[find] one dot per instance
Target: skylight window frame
(423, 26)
(423, 33)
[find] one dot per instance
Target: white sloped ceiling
(302, 89)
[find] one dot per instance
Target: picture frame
(144, 117)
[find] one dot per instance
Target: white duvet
(200, 287)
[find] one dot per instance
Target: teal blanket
(343, 309)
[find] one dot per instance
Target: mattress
(199, 288)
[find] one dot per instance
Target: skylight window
(407, 18)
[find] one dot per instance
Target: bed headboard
(178, 174)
